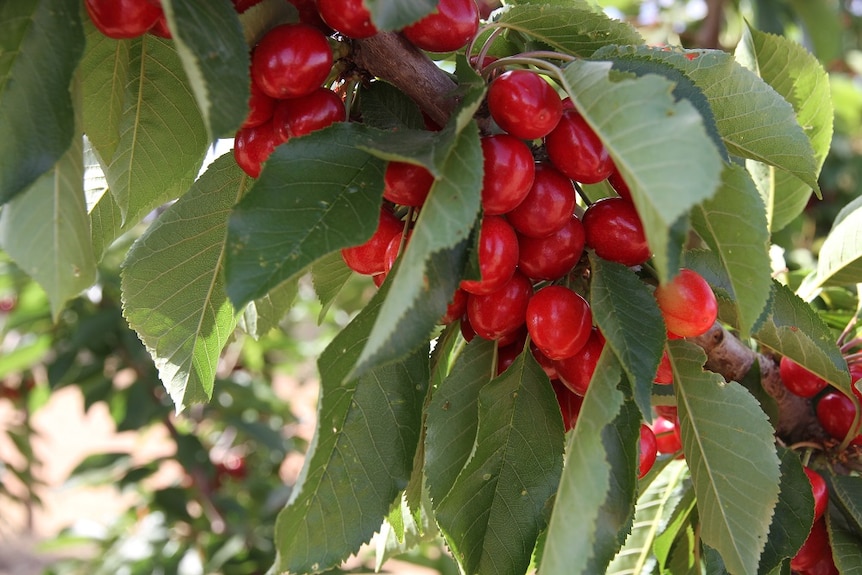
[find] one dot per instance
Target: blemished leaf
(627, 113)
(396, 14)
(652, 512)
(801, 80)
(733, 224)
(47, 232)
(847, 492)
(209, 40)
(264, 314)
(315, 195)
(845, 543)
(840, 259)
(793, 516)
(185, 318)
(627, 315)
(329, 274)
(572, 530)
(493, 514)
(794, 329)
(162, 139)
(574, 27)
(361, 456)
(714, 415)
(452, 417)
(35, 79)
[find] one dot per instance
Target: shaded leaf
(845, 543)
(396, 14)
(847, 491)
(386, 107)
(329, 274)
(265, 313)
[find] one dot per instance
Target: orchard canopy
(585, 354)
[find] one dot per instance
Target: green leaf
(572, 531)
(184, 318)
(41, 43)
(162, 139)
(733, 225)
(329, 274)
(316, 194)
(575, 28)
(847, 491)
(793, 516)
(46, 231)
(840, 258)
(845, 543)
(210, 42)
(396, 14)
(715, 415)
(800, 79)
(627, 314)
(675, 542)
(431, 267)
(384, 106)
(626, 113)
(794, 329)
(493, 514)
(265, 313)
(361, 456)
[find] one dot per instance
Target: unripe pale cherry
(559, 321)
(524, 104)
(687, 304)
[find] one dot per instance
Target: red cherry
(577, 371)
(498, 256)
(835, 412)
(549, 366)
(819, 490)
(553, 256)
(824, 566)
(407, 184)
(666, 411)
(548, 205)
(687, 304)
(647, 450)
(302, 115)
(509, 172)
(815, 548)
(570, 403)
(467, 331)
(161, 28)
(252, 146)
(507, 354)
(291, 60)
(500, 314)
(393, 249)
(799, 380)
(448, 28)
(619, 184)
(559, 321)
(368, 258)
(456, 308)
(613, 228)
(524, 104)
(667, 438)
(260, 107)
(576, 150)
(350, 17)
(124, 18)
(664, 373)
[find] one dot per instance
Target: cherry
(260, 107)
(524, 104)
(576, 150)
(553, 256)
(309, 14)
(407, 184)
(619, 185)
(456, 308)
(498, 256)
(507, 354)
(124, 18)
(161, 28)
(835, 412)
(548, 205)
(253, 145)
(291, 60)
(666, 411)
(667, 438)
(824, 566)
(559, 321)
(687, 304)
(647, 450)
(548, 365)
(448, 28)
(664, 373)
(570, 403)
(508, 175)
(305, 114)
(367, 258)
(467, 331)
(819, 490)
(814, 549)
(500, 314)
(614, 230)
(241, 6)
(350, 17)
(577, 371)
(392, 251)
(233, 466)
(799, 380)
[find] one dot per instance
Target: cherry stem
(847, 346)
(847, 329)
(809, 445)
(854, 428)
(853, 357)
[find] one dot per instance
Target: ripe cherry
(647, 450)
(291, 60)
(559, 321)
(500, 314)
(305, 114)
(407, 184)
(524, 104)
(161, 28)
(509, 172)
(799, 380)
(664, 373)
(576, 150)
(498, 256)
(815, 548)
(553, 256)
(835, 412)
(577, 371)
(667, 438)
(368, 258)
(260, 107)
(570, 404)
(819, 490)
(548, 365)
(456, 308)
(507, 354)
(124, 18)
(614, 230)
(687, 304)
(548, 205)
(619, 184)
(350, 17)
(252, 146)
(448, 28)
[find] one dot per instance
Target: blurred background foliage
(227, 458)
